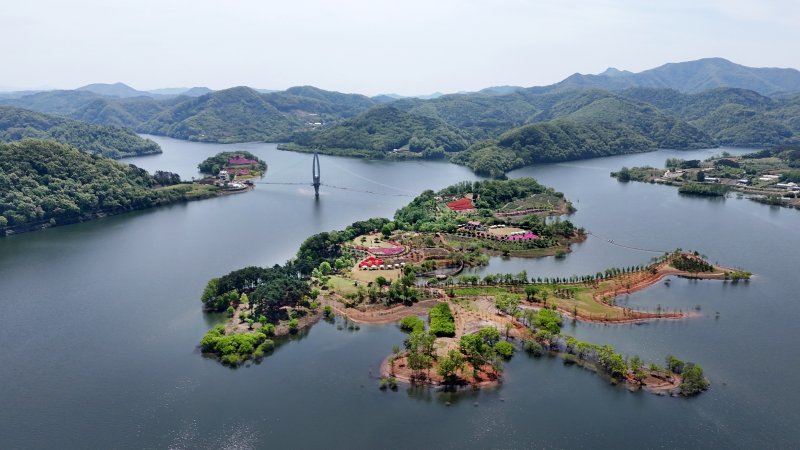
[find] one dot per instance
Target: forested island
(45, 183)
(394, 271)
(770, 176)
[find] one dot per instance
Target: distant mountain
(238, 114)
(112, 142)
(329, 105)
(691, 76)
(53, 102)
(121, 90)
(197, 91)
(173, 92)
(500, 90)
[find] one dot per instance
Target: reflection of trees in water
(442, 395)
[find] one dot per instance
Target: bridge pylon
(315, 175)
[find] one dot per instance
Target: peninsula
(44, 184)
(385, 271)
(769, 176)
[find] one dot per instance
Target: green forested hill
(558, 140)
(44, 182)
(238, 114)
(108, 141)
(308, 99)
(381, 130)
(736, 117)
(701, 103)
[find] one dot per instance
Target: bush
(412, 323)
(693, 380)
(293, 326)
(327, 311)
(504, 349)
(268, 329)
(533, 348)
(442, 323)
(548, 320)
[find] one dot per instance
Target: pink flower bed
(529, 236)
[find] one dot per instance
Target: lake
(101, 322)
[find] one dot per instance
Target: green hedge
(441, 320)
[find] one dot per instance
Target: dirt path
(384, 315)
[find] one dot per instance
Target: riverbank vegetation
(45, 183)
(769, 176)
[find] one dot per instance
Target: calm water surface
(101, 320)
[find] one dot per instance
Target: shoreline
(45, 225)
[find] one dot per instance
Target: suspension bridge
(316, 183)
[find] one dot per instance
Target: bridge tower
(315, 174)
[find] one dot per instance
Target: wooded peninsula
(397, 271)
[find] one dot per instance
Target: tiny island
(769, 176)
(382, 271)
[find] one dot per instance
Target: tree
(325, 267)
(693, 380)
(490, 335)
(387, 229)
(624, 174)
(450, 365)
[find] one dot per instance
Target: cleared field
(504, 231)
(366, 276)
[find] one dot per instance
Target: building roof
(241, 161)
(461, 204)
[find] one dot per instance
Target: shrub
(293, 326)
(327, 311)
(533, 348)
(548, 320)
(268, 329)
(412, 323)
(442, 322)
(504, 349)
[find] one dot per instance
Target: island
(233, 171)
(382, 271)
(769, 176)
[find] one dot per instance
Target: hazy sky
(403, 46)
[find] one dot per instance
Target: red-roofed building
(240, 160)
(462, 205)
(371, 262)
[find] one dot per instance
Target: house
(222, 176)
